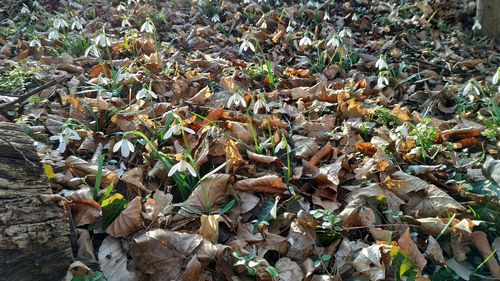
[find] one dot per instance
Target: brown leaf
(262, 158)
(367, 148)
(265, 184)
(211, 192)
(408, 246)
(82, 168)
(289, 270)
(233, 157)
(84, 209)
(133, 179)
(129, 220)
(113, 261)
(209, 227)
(162, 254)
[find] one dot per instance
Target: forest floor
(262, 140)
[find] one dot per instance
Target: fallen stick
(6, 106)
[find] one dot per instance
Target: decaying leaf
(267, 184)
(113, 261)
(84, 209)
(129, 220)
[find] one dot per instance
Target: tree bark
(488, 14)
(34, 228)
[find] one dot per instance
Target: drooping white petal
(188, 130)
(495, 77)
(174, 169)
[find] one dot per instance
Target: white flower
(237, 99)
(476, 26)
(125, 147)
(64, 138)
(471, 85)
(326, 16)
(381, 64)
(382, 82)
(496, 76)
(305, 41)
(345, 32)
(246, 44)
(145, 93)
(53, 35)
(176, 130)
(148, 26)
(76, 25)
(261, 102)
(181, 167)
(25, 9)
(102, 40)
(335, 41)
(215, 18)
(355, 17)
(125, 22)
(35, 43)
(283, 144)
(59, 23)
(36, 4)
(289, 29)
(263, 25)
(93, 50)
(121, 8)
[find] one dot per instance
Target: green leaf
(273, 271)
(111, 208)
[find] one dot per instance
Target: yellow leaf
(47, 169)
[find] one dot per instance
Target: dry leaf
(113, 261)
(265, 184)
(84, 209)
(408, 246)
(129, 220)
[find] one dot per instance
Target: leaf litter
(268, 140)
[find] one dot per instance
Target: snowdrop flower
(237, 99)
(261, 102)
(181, 167)
(36, 4)
(76, 25)
(335, 41)
(246, 44)
(345, 32)
(102, 40)
(145, 93)
(263, 25)
(148, 26)
(25, 10)
(121, 8)
(477, 26)
(381, 64)
(355, 17)
(177, 130)
(289, 29)
(283, 144)
(53, 35)
(35, 43)
(471, 85)
(64, 138)
(59, 23)
(125, 22)
(496, 76)
(326, 16)
(125, 147)
(93, 50)
(215, 18)
(382, 82)
(305, 41)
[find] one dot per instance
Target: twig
(5, 107)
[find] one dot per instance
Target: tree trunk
(34, 229)
(488, 14)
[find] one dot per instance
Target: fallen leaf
(265, 184)
(408, 246)
(84, 209)
(129, 220)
